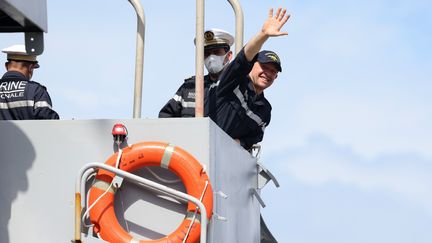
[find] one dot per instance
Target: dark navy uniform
(183, 102)
(239, 111)
(22, 99)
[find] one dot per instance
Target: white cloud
(371, 125)
(321, 161)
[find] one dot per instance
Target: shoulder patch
(191, 78)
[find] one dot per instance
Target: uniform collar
(258, 99)
(207, 79)
(14, 74)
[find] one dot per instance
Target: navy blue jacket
(239, 111)
(22, 99)
(183, 102)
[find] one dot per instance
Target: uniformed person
(217, 54)
(242, 111)
(21, 98)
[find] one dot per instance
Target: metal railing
(86, 170)
(139, 57)
(199, 52)
(239, 24)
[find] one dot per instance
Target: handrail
(139, 59)
(199, 49)
(199, 59)
(139, 181)
(239, 24)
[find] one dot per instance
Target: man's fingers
(285, 19)
(275, 23)
(271, 13)
(281, 15)
(278, 13)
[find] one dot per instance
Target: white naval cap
(217, 37)
(18, 53)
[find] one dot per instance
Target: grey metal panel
(23, 16)
(40, 161)
(235, 173)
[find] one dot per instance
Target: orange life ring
(177, 160)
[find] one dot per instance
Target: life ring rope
(195, 213)
(103, 185)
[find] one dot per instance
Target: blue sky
(350, 136)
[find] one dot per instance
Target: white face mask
(214, 63)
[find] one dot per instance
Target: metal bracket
(219, 217)
(258, 197)
(264, 176)
(221, 194)
(34, 43)
(255, 151)
(117, 181)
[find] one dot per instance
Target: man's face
(263, 75)
(215, 59)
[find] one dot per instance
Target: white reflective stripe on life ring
(167, 156)
(103, 185)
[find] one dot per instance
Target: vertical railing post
(199, 60)
(239, 24)
(139, 59)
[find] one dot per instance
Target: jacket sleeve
(173, 108)
(256, 135)
(252, 138)
(233, 74)
(42, 107)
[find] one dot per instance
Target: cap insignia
(208, 35)
(273, 56)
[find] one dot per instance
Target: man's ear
(229, 55)
(32, 67)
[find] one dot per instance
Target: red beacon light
(119, 132)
